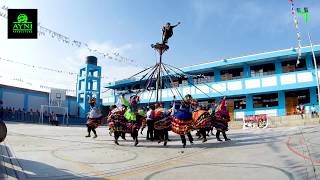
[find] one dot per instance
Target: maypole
(157, 74)
(160, 48)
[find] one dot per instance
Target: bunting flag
(296, 24)
(45, 68)
(43, 31)
(41, 86)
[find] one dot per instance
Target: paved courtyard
(49, 152)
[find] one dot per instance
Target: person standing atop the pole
(167, 32)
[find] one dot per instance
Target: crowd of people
(181, 118)
(12, 114)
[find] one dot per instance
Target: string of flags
(43, 31)
(296, 24)
(45, 68)
(41, 86)
(38, 67)
(21, 80)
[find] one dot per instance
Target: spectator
(1, 113)
(54, 119)
(31, 115)
(297, 109)
(13, 115)
(37, 114)
(150, 123)
(24, 114)
(46, 116)
(313, 111)
(18, 117)
(9, 114)
(301, 110)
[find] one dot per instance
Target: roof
(29, 90)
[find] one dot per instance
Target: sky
(210, 30)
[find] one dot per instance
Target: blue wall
(18, 98)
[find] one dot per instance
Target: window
(230, 74)
(291, 66)
(260, 70)
(204, 78)
(239, 102)
(265, 100)
(302, 96)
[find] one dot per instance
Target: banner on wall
(255, 121)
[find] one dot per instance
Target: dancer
(221, 120)
(182, 121)
(201, 121)
(94, 118)
(143, 116)
(212, 111)
(167, 32)
(116, 121)
(133, 125)
(162, 123)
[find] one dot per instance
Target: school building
(266, 83)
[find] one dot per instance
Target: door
(291, 103)
(230, 108)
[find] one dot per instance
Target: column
(190, 80)
(282, 103)
(85, 105)
(314, 97)
(246, 71)
(98, 87)
(69, 103)
(26, 102)
(309, 62)
(249, 105)
(217, 76)
(278, 69)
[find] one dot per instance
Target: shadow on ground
(11, 167)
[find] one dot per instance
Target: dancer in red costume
(221, 120)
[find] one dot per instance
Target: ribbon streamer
(295, 20)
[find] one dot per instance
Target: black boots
(136, 142)
(224, 136)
